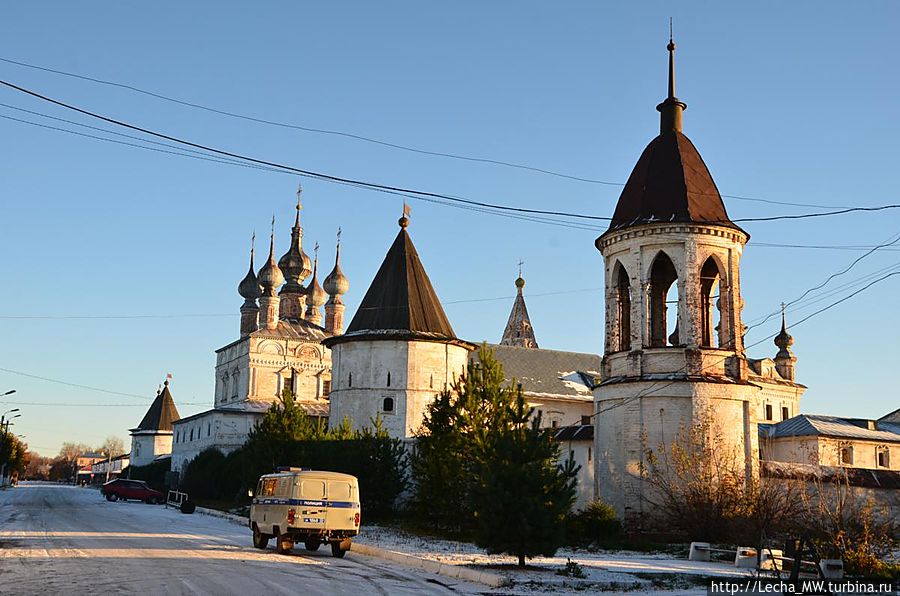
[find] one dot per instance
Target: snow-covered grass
(615, 571)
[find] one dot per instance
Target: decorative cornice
(610, 238)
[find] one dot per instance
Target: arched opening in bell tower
(710, 315)
(663, 291)
(623, 308)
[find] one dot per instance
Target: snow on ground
(609, 571)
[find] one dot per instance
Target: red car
(131, 489)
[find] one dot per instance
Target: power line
(369, 139)
(101, 405)
(415, 193)
(88, 387)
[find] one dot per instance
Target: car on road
(301, 505)
(123, 489)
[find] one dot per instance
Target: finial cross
(299, 195)
(521, 262)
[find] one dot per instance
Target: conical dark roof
(401, 298)
(162, 412)
(670, 183)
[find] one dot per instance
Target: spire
(161, 414)
(671, 109)
(519, 331)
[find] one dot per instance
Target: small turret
(315, 295)
(335, 285)
(785, 361)
(519, 331)
(270, 279)
(250, 291)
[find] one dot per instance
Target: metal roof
(578, 432)
(832, 426)
(549, 373)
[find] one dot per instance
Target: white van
(302, 505)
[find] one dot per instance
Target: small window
(389, 380)
(589, 454)
(883, 457)
(553, 424)
(388, 404)
(785, 413)
(192, 434)
(768, 411)
(208, 428)
(847, 455)
(326, 387)
(431, 382)
(350, 380)
(585, 420)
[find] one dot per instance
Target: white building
(279, 348)
(399, 350)
(152, 438)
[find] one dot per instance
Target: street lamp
(3, 433)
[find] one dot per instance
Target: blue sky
(787, 102)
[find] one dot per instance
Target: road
(69, 540)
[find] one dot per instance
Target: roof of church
(830, 426)
(576, 432)
(549, 373)
(162, 412)
(882, 479)
(891, 417)
(401, 302)
(519, 331)
(670, 182)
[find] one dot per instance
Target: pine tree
(522, 494)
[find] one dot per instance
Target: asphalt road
(69, 540)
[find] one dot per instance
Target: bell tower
(673, 355)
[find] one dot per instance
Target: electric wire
(415, 193)
(258, 120)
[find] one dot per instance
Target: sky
(786, 102)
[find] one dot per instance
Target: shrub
(595, 524)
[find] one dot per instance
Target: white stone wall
(560, 411)
(826, 451)
(224, 431)
(418, 371)
(259, 369)
(583, 454)
(148, 445)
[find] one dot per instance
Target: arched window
(710, 332)
(847, 455)
(389, 380)
(192, 434)
(623, 308)
(663, 289)
(388, 404)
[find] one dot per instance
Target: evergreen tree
(522, 495)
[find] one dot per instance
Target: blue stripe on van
(306, 503)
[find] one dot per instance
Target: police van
(301, 505)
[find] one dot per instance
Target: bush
(595, 524)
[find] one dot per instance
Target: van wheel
(337, 551)
(113, 497)
(260, 540)
(312, 544)
(283, 544)
(109, 497)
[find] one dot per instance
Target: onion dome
(520, 283)
(249, 286)
(784, 341)
(270, 276)
(294, 264)
(316, 296)
(336, 284)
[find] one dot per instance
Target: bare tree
(112, 446)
